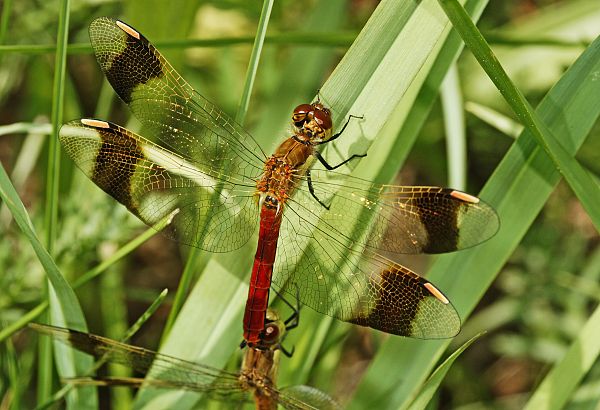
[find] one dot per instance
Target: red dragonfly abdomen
(260, 281)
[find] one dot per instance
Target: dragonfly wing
(211, 212)
(168, 107)
(306, 397)
(404, 219)
(343, 278)
(399, 301)
(162, 371)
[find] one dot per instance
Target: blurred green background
(533, 311)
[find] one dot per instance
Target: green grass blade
(586, 189)
(191, 264)
(66, 310)
(518, 190)
(326, 40)
(5, 19)
(20, 323)
(22, 127)
(123, 251)
(259, 41)
(8, 356)
(52, 181)
(133, 329)
(495, 119)
(51, 206)
(433, 383)
(454, 123)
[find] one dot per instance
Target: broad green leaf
(518, 190)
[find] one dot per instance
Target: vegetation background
(533, 288)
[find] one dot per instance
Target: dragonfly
(257, 376)
(319, 230)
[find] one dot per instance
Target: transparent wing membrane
(212, 211)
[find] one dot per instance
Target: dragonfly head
(313, 121)
(273, 332)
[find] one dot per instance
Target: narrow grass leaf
(259, 41)
(21, 127)
(586, 189)
(454, 124)
(5, 19)
(433, 383)
(497, 120)
(67, 310)
(53, 170)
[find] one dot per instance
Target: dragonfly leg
(322, 160)
(286, 352)
(292, 321)
(311, 189)
(342, 130)
(332, 167)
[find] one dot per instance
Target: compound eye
(301, 112)
(271, 334)
(303, 109)
(323, 118)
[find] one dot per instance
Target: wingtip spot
(95, 123)
(129, 30)
(464, 197)
(435, 292)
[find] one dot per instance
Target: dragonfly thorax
(277, 182)
(281, 173)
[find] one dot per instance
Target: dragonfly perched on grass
(320, 230)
